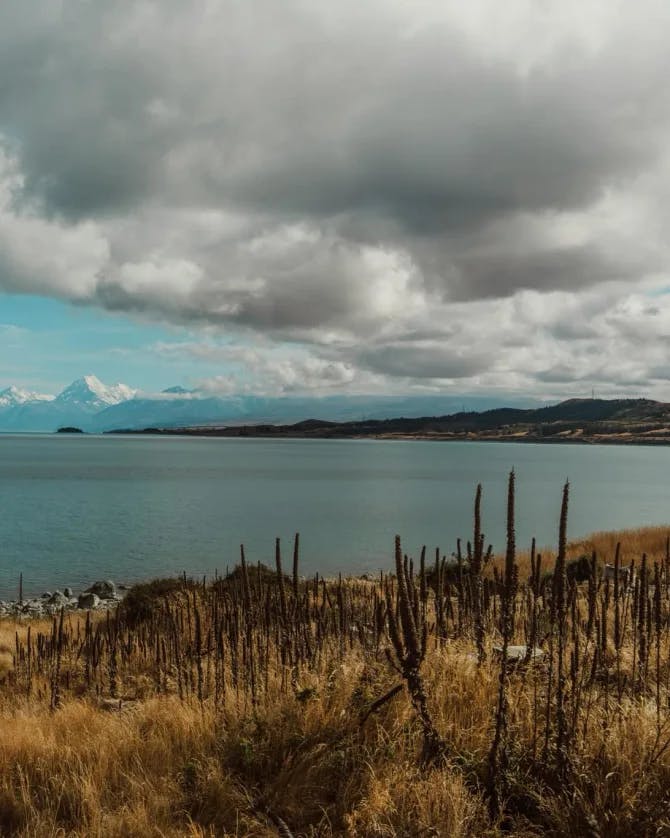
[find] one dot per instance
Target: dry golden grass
(298, 754)
(152, 769)
(10, 628)
(6, 661)
(633, 543)
(164, 767)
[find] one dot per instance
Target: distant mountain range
(21, 410)
(620, 421)
(95, 407)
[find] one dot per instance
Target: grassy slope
(593, 420)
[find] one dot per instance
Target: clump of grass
(6, 662)
(143, 600)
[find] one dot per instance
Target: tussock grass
(633, 543)
(255, 708)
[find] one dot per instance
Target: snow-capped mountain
(89, 404)
(14, 395)
(76, 405)
(91, 394)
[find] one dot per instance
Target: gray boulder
(518, 654)
(104, 589)
(88, 600)
(68, 592)
(58, 599)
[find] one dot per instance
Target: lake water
(76, 509)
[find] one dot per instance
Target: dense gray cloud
(415, 193)
(424, 361)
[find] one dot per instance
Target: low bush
(144, 599)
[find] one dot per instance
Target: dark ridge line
(620, 421)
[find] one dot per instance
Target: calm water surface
(76, 509)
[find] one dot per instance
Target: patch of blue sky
(45, 344)
(663, 291)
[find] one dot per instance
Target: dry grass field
(265, 704)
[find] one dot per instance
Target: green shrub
(144, 599)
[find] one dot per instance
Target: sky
(307, 196)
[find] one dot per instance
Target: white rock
(515, 654)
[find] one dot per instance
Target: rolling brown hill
(641, 421)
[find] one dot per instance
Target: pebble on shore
(100, 595)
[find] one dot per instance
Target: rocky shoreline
(101, 595)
